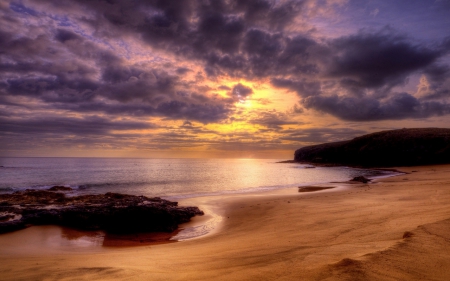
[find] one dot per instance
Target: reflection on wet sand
(100, 238)
(51, 239)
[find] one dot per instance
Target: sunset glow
(216, 78)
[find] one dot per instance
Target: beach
(397, 228)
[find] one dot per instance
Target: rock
(6, 217)
(111, 212)
(10, 226)
(405, 147)
(407, 234)
(60, 188)
(361, 179)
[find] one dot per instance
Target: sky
(216, 78)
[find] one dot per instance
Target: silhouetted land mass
(404, 147)
(111, 212)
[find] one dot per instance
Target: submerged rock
(361, 179)
(60, 188)
(111, 212)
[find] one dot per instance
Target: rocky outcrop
(111, 212)
(361, 179)
(60, 188)
(404, 147)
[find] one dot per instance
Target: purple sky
(247, 78)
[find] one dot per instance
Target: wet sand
(352, 232)
(313, 188)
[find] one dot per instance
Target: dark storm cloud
(397, 106)
(164, 23)
(48, 57)
(241, 92)
(267, 13)
(377, 60)
(59, 68)
(91, 125)
(239, 38)
(273, 120)
(359, 75)
(437, 73)
(304, 87)
(264, 54)
(183, 70)
(204, 113)
(65, 35)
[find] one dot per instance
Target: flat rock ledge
(110, 212)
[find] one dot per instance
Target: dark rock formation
(111, 212)
(361, 179)
(60, 188)
(404, 147)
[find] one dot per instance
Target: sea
(167, 178)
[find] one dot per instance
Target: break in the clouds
(142, 69)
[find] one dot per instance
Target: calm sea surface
(172, 178)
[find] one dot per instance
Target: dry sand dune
(353, 232)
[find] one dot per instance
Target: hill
(404, 147)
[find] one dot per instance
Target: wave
(86, 186)
(6, 189)
(34, 187)
(178, 189)
(115, 184)
(373, 174)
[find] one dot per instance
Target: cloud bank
(97, 67)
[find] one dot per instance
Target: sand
(395, 229)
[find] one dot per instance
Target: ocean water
(168, 178)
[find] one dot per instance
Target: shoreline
(337, 234)
(197, 228)
(202, 201)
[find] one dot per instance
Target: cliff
(404, 147)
